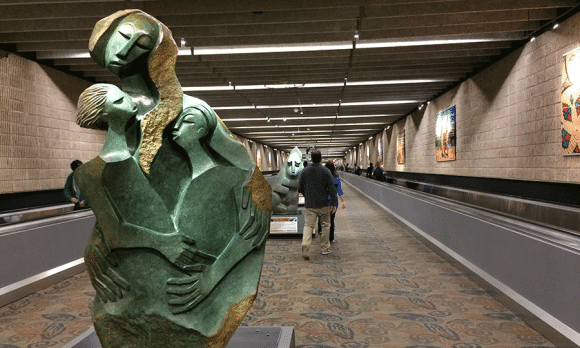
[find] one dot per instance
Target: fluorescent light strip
(311, 125)
(340, 45)
(326, 46)
(407, 43)
(292, 106)
(243, 119)
(318, 137)
(316, 131)
(384, 102)
(312, 85)
(289, 118)
(185, 51)
(208, 88)
(325, 141)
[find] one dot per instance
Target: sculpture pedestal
(245, 337)
(287, 224)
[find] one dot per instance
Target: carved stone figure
(182, 212)
(285, 188)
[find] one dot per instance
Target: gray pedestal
(245, 337)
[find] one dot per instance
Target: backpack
(379, 175)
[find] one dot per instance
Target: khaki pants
(309, 223)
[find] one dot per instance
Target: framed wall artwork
(380, 149)
(401, 147)
(570, 98)
(445, 135)
(258, 158)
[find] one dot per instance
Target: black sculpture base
(245, 337)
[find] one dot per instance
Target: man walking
(317, 186)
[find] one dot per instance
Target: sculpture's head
(294, 162)
(131, 44)
(192, 125)
(124, 42)
(103, 104)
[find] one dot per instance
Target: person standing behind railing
(71, 190)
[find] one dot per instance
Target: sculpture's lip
(117, 64)
(175, 135)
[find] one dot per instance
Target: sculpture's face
(294, 164)
(189, 127)
(119, 106)
(130, 44)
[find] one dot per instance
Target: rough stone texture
(508, 119)
(38, 134)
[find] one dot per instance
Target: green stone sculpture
(285, 188)
(182, 211)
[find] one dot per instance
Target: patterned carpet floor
(379, 287)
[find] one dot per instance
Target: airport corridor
(379, 287)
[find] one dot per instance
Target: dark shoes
(305, 255)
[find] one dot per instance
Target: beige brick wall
(508, 118)
(38, 134)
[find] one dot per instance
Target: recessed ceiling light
(255, 49)
(380, 102)
(315, 85)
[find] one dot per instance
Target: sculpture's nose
(124, 52)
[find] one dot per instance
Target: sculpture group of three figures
(182, 212)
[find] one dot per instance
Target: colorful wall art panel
(571, 103)
(401, 147)
(380, 149)
(445, 135)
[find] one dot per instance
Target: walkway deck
(380, 287)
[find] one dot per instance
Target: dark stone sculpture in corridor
(285, 188)
(182, 211)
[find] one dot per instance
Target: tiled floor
(379, 287)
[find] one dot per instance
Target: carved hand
(254, 221)
(100, 263)
(188, 290)
(193, 289)
(183, 253)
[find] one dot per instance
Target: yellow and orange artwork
(570, 99)
(445, 135)
(401, 147)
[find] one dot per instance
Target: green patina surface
(178, 247)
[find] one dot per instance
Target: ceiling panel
(298, 74)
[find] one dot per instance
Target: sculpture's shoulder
(90, 170)
(280, 178)
(221, 176)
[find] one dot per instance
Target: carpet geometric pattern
(379, 287)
